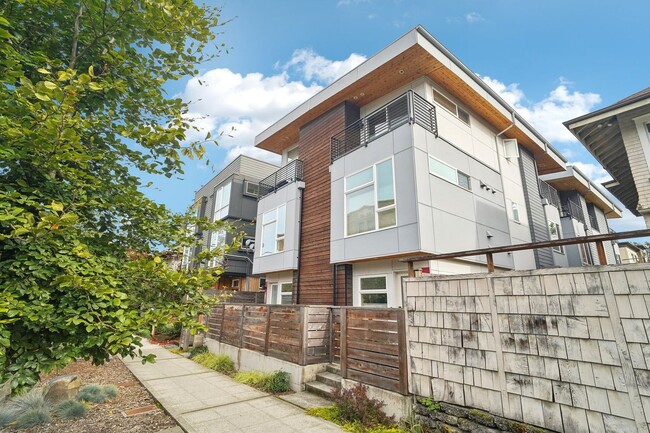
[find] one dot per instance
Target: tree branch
(75, 38)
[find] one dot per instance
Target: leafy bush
(277, 382)
(96, 393)
(70, 409)
(33, 417)
(197, 350)
(221, 363)
(354, 405)
(167, 331)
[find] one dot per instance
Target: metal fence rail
(292, 172)
(550, 194)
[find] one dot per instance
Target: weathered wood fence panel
(254, 327)
(214, 323)
(285, 333)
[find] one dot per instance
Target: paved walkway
(204, 401)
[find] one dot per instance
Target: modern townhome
(231, 196)
(575, 206)
(630, 253)
(410, 153)
(618, 136)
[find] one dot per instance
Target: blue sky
(551, 60)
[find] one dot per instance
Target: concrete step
(328, 378)
(334, 368)
(319, 388)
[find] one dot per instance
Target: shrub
(33, 399)
(354, 405)
(277, 382)
(70, 409)
(32, 417)
(167, 331)
(252, 378)
(197, 350)
(97, 393)
(221, 363)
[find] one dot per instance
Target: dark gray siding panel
(536, 215)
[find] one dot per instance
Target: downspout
(302, 199)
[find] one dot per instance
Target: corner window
(515, 212)
(221, 202)
(373, 291)
(370, 199)
(449, 173)
(273, 228)
(251, 188)
(555, 234)
(448, 105)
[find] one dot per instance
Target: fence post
(602, 257)
(490, 262)
(344, 342)
(241, 325)
(304, 324)
(267, 337)
(223, 316)
(330, 328)
(403, 351)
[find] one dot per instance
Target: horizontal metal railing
(550, 194)
(292, 172)
(574, 211)
(407, 108)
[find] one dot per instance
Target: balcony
(292, 172)
(408, 108)
(574, 211)
(550, 194)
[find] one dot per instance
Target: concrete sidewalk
(204, 401)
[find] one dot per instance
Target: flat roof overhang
(574, 180)
(414, 55)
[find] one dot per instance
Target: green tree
(82, 108)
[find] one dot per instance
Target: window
(515, 212)
(217, 239)
(292, 154)
(585, 254)
(373, 291)
(555, 234)
(370, 199)
(262, 283)
(449, 173)
(510, 148)
(273, 227)
(251, 188)
(235, 284)
(281, 293)
(221, 202)
(448, 105)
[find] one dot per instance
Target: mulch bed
(107, 417)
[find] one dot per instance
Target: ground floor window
(280, 293)
(373, 291)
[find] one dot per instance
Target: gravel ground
(107, 417)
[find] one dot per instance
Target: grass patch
(276, 382)
(197, 350)
(221, 363)
(33, 417)
(26, 410)
(70, 409)
(332, 414)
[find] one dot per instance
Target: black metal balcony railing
(290, 173)
(574, 211)
(407, 108)
(550, 194)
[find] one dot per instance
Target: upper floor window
(449, 173)
(555, 233)
(450, 106)
(221, 202)
(251, 188)
(515, 212)
(292, 154)
(273, 228)
(370, 199)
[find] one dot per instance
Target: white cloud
(547, 115)
(474, 17)
(315, 67)
(234, 108)
(595, 172)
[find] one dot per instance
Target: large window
(373, 291)
(370, 199)
(555, 234)
(221, 202)
(449, 173)
(273, 228)
(448, 105)
(281, 293)
(251, 188)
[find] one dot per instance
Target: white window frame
(276, 237)
(247, 183)
(278, 286)
(510, 148)
(237, 285)
(289, 160)
(457, 109)
(457, 174)
(221, 209)
(384, 291)
(559, 248)
(378, 210)
(516, 214)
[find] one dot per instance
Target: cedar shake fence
(370, 344)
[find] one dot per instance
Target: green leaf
(57, 206)
(50, 85)
(94, 86)
(42, 96)
(43, 70)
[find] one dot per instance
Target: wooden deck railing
(370, 344)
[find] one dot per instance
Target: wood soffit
(406, 67)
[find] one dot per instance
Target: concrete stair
(326, 382)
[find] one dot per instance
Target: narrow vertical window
(221, 202)
(273, 230)
(515, 212)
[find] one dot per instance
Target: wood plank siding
(315, 284)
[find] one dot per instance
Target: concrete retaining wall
(564, 349)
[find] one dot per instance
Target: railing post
(490, 262)
(330, 328)
(602, 257)
(344, 342)
(304, 326)
(411, 271)
(403, 351)
(410, 106)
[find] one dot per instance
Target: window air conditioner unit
(511, 148)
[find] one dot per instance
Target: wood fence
(370, 344)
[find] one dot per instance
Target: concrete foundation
(397, 405)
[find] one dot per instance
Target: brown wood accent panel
(343, 284)
(316, 286)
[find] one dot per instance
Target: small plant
(70, 409)
(33, 417)
(354, 405)
(252, 378)
(332, 414)
(329, 413)
(6, 417)
(429, 404)
(221, 363)
(277, 382)
(96, 393)
(197, 350)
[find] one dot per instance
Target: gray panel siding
(536, 214)
(255, 169)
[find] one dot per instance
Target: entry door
(400, 295)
